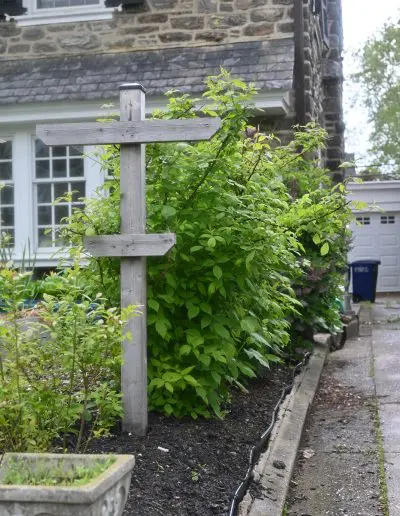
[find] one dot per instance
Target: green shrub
(220, 303)
(59, 371)
(319, 215)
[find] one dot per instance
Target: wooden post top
(132, 86)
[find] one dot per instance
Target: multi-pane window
(388, 219)
(7, 202)
(51, 4)
(59, 173)
(365, 221)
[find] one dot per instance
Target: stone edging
(274, 470)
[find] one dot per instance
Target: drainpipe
(299, 77)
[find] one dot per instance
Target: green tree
(380, 81)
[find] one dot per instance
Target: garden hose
(257, 449)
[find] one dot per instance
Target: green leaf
(249, 259)
(155, 305)
(161, 328)
(169, 387)
(168, 409)
(193, 310)
(325, 249)
(211, 242)
(316, 239)
(194, 337)
(246, 370)
(205, 359)
(221, 331)
(211, 289)
(216, 377)
(206, 308)
(192, 381)
(168, 211)
(185, 350)
(217, 271)
(249, 324)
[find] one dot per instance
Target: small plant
(59, 374)
(44, 473)
(195, 475)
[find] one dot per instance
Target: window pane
(5, 150)
(7, 195)
(44, 193)
(53, 183)
(7, 216)
(44, 237)
(76, 150)
(60, 189)
(44, 215)
(7, 238)
(60, 212)
(60, 168)
(60, 241)
(49, 4)
(5, 171)
(79, 191)
(76, 168)
(77, 207)
(42, 169)
(59, 151)
(41, 150)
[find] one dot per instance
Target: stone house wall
(161, 24)
(333, 90)
(324, 80)
(208, 24)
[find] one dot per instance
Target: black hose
(256, 450)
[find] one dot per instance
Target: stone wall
(314, 51)
(333, 91)
(324, 80)
(161, 24)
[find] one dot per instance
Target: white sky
(361, 19)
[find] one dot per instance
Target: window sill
(52, 17)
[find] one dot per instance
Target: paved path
(360, 383)
(386, 350)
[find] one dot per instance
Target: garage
(376, 231)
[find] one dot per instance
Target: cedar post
(133, 269)
(133, 244)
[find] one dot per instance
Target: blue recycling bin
(365, 277)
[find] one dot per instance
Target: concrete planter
(105, 495)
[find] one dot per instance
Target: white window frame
(54, 15)
(363, 220)
(53, 181)
(93, 178)
(388, 219)
(6, 182)
(25, 209)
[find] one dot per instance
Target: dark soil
(187, 467)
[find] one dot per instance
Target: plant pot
(104, 495)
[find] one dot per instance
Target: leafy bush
(220, 303)
(58, 371)
(319, 215)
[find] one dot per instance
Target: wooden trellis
(133, 245)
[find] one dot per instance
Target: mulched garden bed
(187, 467)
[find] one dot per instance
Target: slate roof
(269, 64)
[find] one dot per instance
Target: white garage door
(377, 237)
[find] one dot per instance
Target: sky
(361, 19)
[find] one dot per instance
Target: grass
(383, 497)
(18, 471)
